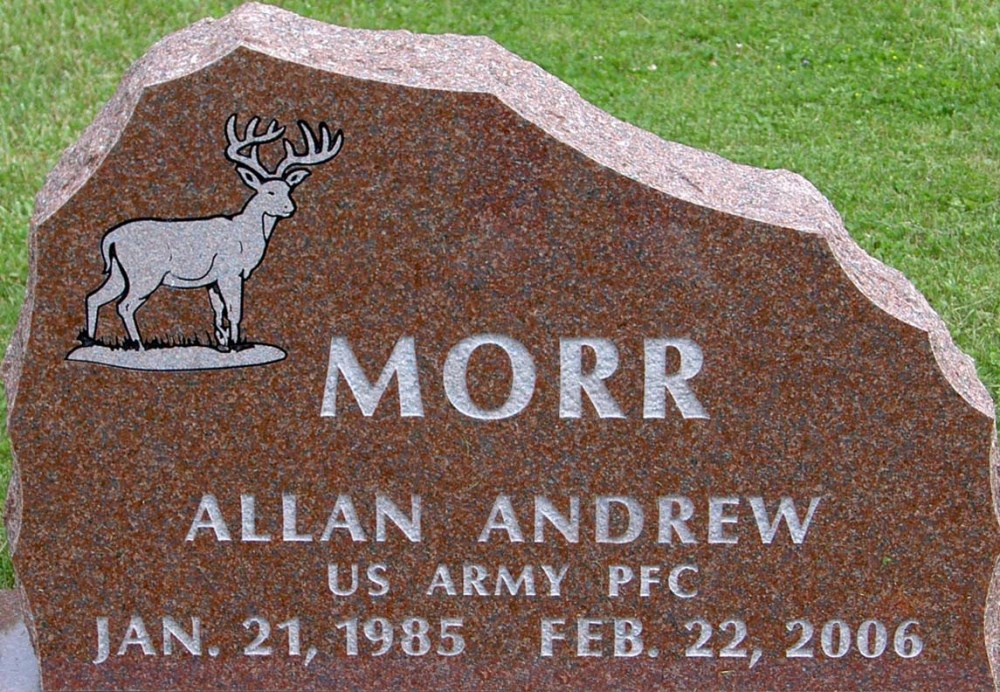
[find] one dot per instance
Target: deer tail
(107, 251)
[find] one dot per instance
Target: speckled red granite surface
(476, 194)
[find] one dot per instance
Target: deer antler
(253, 140)
(326, 150)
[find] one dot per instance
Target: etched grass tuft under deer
(170, 341)
(218, 253)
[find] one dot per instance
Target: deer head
(273, 189)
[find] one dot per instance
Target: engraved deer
(218, 253)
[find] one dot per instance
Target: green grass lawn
(891, 108)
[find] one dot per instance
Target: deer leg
(137, 295)
(113, 287)
(126, 309)
(232, 295)
(219, 308)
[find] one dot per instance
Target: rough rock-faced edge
(478, 64)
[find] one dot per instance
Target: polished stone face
(508, 394)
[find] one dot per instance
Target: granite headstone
(359, 359)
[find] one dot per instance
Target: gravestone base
(18, 663)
